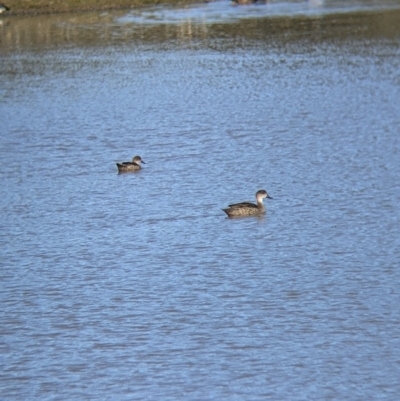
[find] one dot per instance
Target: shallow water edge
(47, 32)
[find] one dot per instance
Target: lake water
(137, 286)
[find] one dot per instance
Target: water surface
(137, 286)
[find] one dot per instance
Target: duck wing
(243, 204)
(128, 164)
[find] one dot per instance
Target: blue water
(137, 286)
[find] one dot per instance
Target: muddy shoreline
(24, 7)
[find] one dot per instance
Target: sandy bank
(18, 7)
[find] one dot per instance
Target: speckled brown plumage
(134, 165)
(248, 208)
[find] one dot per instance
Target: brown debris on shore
(18, 7)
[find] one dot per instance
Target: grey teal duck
(248, 208)
(134, 165)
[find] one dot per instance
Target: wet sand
(18, 7)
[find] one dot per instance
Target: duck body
(248, 208)
(134, 165)
(243, 2)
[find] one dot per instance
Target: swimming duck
(134, 165)
(3, 8)
(248, 208)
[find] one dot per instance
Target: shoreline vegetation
(21, 7)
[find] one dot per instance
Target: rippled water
(137, 286)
